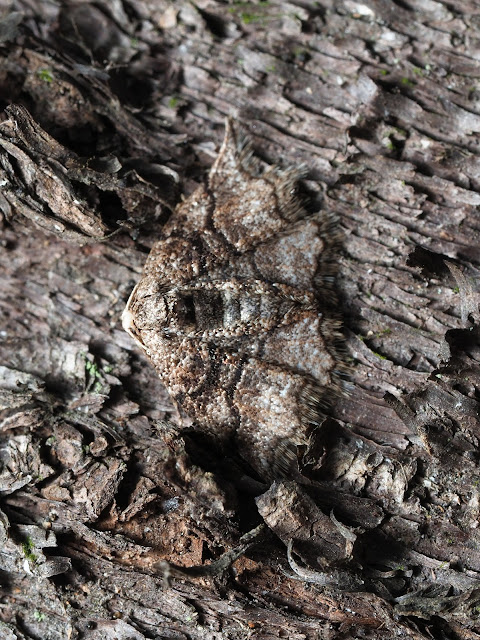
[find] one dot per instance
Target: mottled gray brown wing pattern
(229, 309)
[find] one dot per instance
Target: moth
(235, 309)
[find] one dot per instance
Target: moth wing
(250, 205)
(276, 407)
(241, 210)
(263, 406)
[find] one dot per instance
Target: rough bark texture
(115, 525)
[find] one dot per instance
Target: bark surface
(113, 524)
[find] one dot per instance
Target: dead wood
(113, 524)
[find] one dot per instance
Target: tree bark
(114, 524)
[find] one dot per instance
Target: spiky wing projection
(229, 309)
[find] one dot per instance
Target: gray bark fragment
(379, 101)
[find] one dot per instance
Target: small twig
(337, 578)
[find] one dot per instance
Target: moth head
(128, 319)
(128, 323)
(144, 310)
(155, 309)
